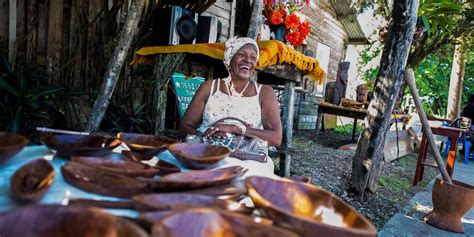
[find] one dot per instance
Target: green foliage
(123, 116)
(25, 98)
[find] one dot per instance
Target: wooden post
(409, 75)
(255, 19)
(165, 66)
(367, 163)
(288, 112)
(115, 65)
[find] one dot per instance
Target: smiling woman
(238, 97)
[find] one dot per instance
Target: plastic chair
(464, 142)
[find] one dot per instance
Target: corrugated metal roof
(346, 14)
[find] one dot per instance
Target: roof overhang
(347, 15)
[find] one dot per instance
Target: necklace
(233, 91)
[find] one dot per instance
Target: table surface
(61, 192)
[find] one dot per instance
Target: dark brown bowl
(166, 168)
(195, 179)
(101, 182)
(306, 209)
(32, 180)
(10, 145)
(127, 168)
(198, 155)
(168, 201)
(59, 221)
(209, 222)
(79, 145)
(137, 156)
(149, 144)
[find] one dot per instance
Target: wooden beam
(255, 19)
(115, 65)
(368, 160)
(31, 29)
(456, 81)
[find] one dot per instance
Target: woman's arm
(193, 116)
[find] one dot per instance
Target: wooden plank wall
(221, 10)
(62, 37)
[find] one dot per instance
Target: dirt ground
(331, 169)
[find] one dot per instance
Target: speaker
(209, 29)
(174, 25)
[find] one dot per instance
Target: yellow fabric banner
(271, 52)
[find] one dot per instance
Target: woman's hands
(221, 130)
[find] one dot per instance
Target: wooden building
(72, 40)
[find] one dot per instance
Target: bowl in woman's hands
(79, 145)
(10, 145)
(198, 155)
(149, 144)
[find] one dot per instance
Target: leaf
(49, 91)
(10, 89)
(426, 24)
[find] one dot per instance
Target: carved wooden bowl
(198, 155)
(32, 180)
(59, 221)
(168, 201)
(166, 168)
(79, 145)
(149, 144)
(306, 209)
(137, 156)
(105, 183)
(195, 179)
(127, 168)
(209, 222)
(10, 145)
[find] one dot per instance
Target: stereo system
(175, 25)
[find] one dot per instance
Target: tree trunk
(455, 83)
(368, 160)
(255, 19)
(165, 65)
(115, 65)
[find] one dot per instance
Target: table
(61, 192)
(328, 108)
(454, 134)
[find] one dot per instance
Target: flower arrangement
(278, 12)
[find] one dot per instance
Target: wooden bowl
(10, 145)
(127, 168)
(101, 182)
(79, 145)
(32, 180)
(137, 156)
(149, 144)
(209, 222)
(306, 209)
(59, 221)
(168, 201)
(198, 155)
(195, 179)
(166, 168)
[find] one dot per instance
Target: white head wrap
(233, 45)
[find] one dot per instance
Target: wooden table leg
(354, 126)
(287, 122)
(421, 159)
(318, 124)
(451, 156)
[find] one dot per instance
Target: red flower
(292, 22)
(276, 18)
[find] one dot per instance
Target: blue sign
(185, 89)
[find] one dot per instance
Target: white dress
(220, 105)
